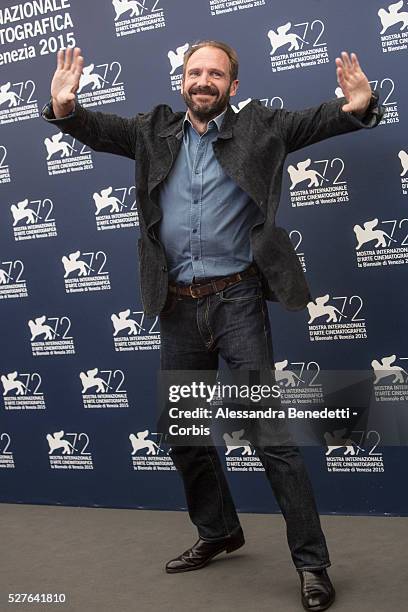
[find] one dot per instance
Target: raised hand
(65, 81)
(354, 83)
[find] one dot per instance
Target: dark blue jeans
(234, 323)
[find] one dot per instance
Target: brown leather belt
(198, 290)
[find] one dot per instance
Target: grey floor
(113, 560)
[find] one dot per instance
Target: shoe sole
(228, 549)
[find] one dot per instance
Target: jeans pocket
(246, 290)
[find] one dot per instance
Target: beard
(206, 110)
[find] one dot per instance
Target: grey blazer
(251, 147)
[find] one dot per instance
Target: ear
(234, 87)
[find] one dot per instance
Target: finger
(355, 62)
(76, 54)
(67, 63)
(346, 59)
(60, 59)
(339, 63)
(344, 78)
(78, 66)
(340, 79)
(341, 75)
(340, 70)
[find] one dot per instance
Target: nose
(204, 79)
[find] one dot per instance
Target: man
(208, 186)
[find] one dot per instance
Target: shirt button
(164, 269)
(194, 231)
(196, 257)
(195, 201)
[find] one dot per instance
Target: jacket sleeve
(300, 129)
(100, 131)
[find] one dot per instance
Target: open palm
(353, 82)
(66, 78)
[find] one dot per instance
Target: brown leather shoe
(317, 590)
(202, 552)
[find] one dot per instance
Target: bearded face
(206, 102)
(207, 85)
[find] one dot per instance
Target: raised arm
(100, 131)
(359, 108)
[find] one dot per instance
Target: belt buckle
(192, 292)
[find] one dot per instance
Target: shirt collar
(217, 121)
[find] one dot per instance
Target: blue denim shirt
(206, 217)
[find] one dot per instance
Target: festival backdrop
(78, 359)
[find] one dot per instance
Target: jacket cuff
(373, 115)
(47, 113)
